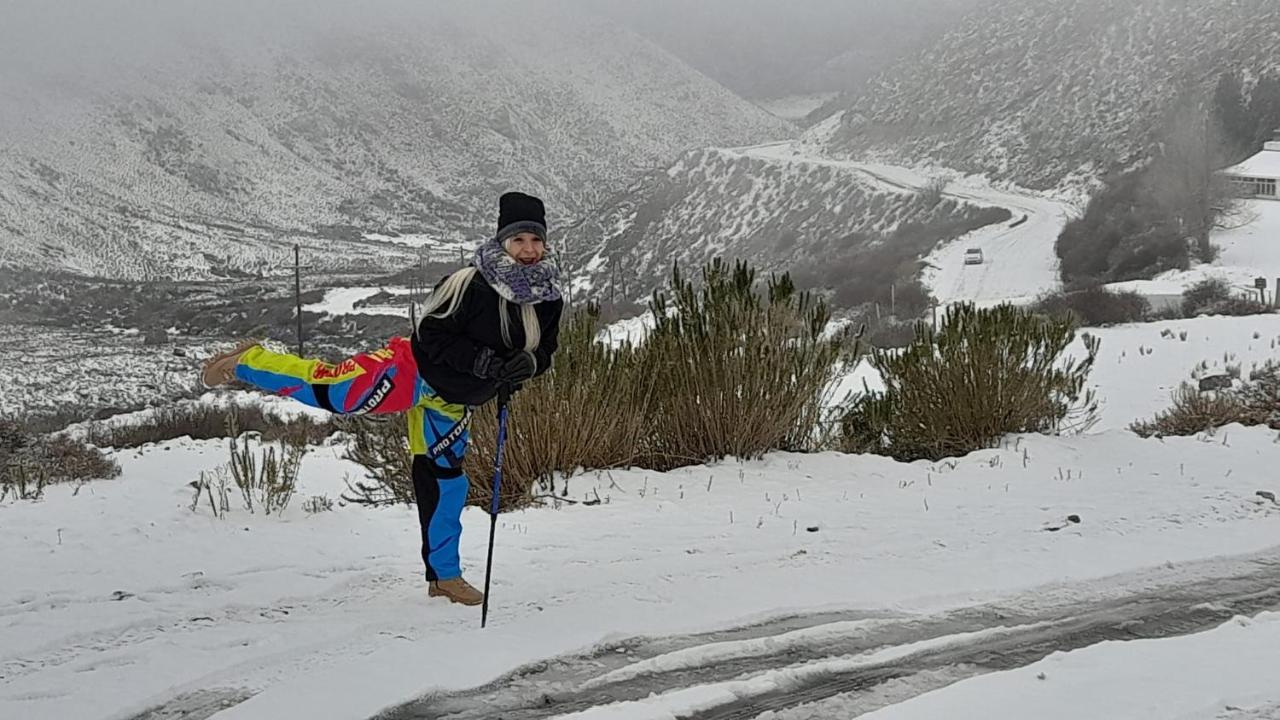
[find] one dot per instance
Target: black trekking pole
(504, 396)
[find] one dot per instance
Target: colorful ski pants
(386, 381)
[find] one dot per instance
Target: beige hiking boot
(221, 368)
(457, 590)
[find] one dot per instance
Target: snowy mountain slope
(1047, 92)
(149, 147)
(1019, 256)
(771, 205)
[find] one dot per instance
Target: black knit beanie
(519, 213)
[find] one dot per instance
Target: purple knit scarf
(518, 283)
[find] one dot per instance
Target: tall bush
(1215, 296)
(982, 374)
(731, 369)
(1094, 305)
(592, 410)
(737, 372)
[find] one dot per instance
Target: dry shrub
(22, 480)
(202, 421)
(381, 446)
(268, 478)
(981, 375)
(215, 487)
(1256, 402)
(28, 463)
(66, 459)
(12, 440)
(317, 504)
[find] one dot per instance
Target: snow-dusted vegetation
(169, 159)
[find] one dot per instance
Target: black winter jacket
(446, 348)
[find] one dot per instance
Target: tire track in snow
(886, 658)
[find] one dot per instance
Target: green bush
(1203, 294)
(727, 371)
(592, 410)
(983, 374)
(1094, 306)
(737, 373)
(1215, 296)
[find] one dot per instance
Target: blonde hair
(447, 298)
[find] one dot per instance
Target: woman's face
(526, 248)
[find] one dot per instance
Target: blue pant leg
(440, 505)
(440, 485)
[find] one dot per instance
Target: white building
(1257, 176)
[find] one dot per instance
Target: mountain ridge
(1052, 94)
(161, 163)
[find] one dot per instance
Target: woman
(491, 325)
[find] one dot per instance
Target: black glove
(487, 365)
(518, 367)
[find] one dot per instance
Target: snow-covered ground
(1141, 364)
(429, 247)
(633, 330)
(119, 597)
(1249, 249)
(342, 301)
(107, 370)
(1223, 674)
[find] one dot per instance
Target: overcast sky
(754, 46)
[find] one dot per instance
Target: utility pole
(298, 267)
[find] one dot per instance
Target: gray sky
(757, 47)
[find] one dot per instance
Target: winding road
(1019, 257)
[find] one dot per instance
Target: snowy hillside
(184, 143)
(853, 583)
(1046, 92)
(770, 204)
